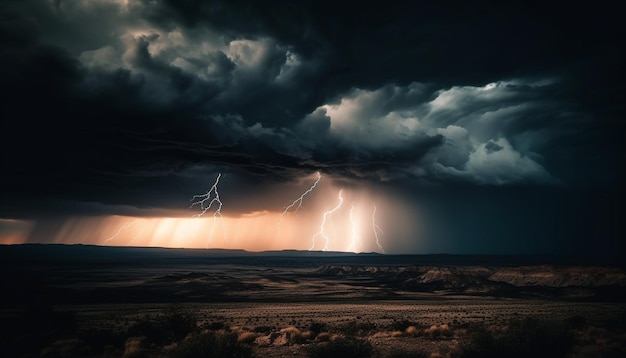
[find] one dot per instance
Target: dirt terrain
(284, 303)
(378, 322)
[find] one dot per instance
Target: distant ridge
(79, 253)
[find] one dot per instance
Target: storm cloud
(110, 102)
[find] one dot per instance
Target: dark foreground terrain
(88, 301)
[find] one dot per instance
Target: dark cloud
(492, 147)
(111, 102)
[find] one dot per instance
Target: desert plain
(90, 301)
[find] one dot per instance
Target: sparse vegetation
(438, 331)
(528, 337)
(357, 328)
(247, 337)
(165, 328)
(292, 335)
(174, 332)
(212, 344)
(323, 337)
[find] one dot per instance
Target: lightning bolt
(122, 228)
(355, 231)
(377, 230)
(325, 217)
(301, 198)
(212, 196)
(298, 201)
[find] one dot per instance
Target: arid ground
(64, 301)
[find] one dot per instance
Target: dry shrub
(263, 341)
(435, 331)
(212, 344)
(247, 337)
(169, 326)
(412, 331)
(308, 335)
(292, 335)
(134, 347)
(529, 337)
(408, 331)
(357, 328)
(381, 334)
(323, 337)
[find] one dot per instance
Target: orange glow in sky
(14, 231)
(347, 226)
(255, 232)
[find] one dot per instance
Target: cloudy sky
(421, 127)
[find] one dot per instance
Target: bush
(212, 344)
(136, 347)
(323, 337)
(341, 348)
(172, 326)
(435, 331)
(529, 337)
(292, 335)
(247, 337)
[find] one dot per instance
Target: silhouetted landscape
(78, 300)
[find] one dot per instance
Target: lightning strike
(377, 230)
(122, 228)
(355, 237)
(301, 198)
(298, 201)
(325, 217)
(212, 196)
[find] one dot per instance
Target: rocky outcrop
(560, 276)
(538, 280)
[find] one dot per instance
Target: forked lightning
(326, 216)
(212, 196)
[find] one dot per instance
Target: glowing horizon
(349, 230)
(314, 212)
(255, 232)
